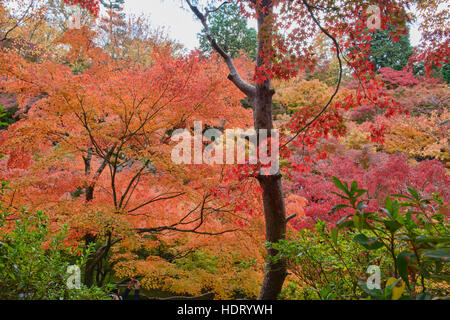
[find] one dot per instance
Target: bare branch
(136, 176)
(167, 228)
(175, 226)
(292, 216)
(234, 76)
(157, 198)
(19, 21)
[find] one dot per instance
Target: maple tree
(419, 137)
(132, 38)
(113, 124)
(114, 25)
(427, 96)
(14, 14)
(93, 147)
(18, 21)
(277, 57)
(398, 78)
(345, 23)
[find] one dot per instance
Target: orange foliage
(94, 152)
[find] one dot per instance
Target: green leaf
(339, 185)
(339, 207)
(346, 224)
(12, 275)
(442, 255)
(414, 193)
(388, 204)
(360, 192)
(433, 239)
(388, 289)
(392, 225)
(409, 221)
(340, 195)
(341, 220)
(391, 208)
(334, 235)
(354, 187)
(374, 293)
(400, 196)
(368, 243)
(404, 259)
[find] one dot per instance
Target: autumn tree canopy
(91, 119)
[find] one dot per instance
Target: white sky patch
(178, 22)
(414, 35)
(181, 25)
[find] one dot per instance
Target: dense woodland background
(87, 177)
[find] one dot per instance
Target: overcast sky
(180, 23)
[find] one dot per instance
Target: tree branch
(165, 196)
(175, 226)
(338, 55)
(292, 216)
(248, 89)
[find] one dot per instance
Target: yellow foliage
(298, 94)
(397, 290)
(419, 137)
(295, 205)
(228, 276)
(356, 138)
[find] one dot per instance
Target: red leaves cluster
(396, 78)
(381, 174)
(92, 6)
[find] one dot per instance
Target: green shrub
(323, 269)
(408, 240)
(33, 264)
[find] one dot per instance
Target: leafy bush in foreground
(408, 239)
(33, 265)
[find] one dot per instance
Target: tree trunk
(261, 100)
(89, 268)
(275, 217)
(273, 198)
(273, 202)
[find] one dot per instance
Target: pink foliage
(363, 113)
(379, 173)
(425, 97)
(398, 78)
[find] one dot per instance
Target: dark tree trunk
(273, 198)
(273, 202)
(95, 261)
(275, 217)
(261, 100)
(89, 269)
